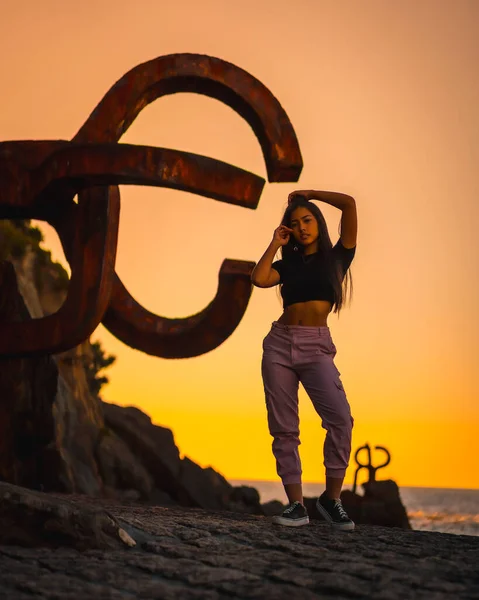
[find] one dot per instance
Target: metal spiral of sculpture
(40, 179)
(369, 466)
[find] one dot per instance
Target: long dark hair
(342, 283)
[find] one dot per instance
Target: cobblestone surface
(192, 554)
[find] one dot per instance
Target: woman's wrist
(274, 246)
(336, 199)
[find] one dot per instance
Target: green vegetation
(99, 362)
(17, 237)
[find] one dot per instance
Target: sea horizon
(350, 484)
(444, 510)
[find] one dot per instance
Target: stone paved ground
(191, 554)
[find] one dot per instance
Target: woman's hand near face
(281, 235)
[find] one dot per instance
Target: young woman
(314, 277)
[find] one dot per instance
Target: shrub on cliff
(17, 237)
(99, 362)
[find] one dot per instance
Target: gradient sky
(384, 98)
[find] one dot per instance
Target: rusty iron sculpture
(369, 466)
(40, 179)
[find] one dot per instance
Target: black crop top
(304, 278)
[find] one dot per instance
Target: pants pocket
(271, 343)
(337, 378)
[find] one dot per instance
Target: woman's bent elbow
(256, 282)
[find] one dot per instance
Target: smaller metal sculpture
(369, 466)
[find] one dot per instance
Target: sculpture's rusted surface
(40, 179)
(202, 75)
(91, 244)
(33, 186)
(174, 338)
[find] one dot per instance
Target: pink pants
(293, 354)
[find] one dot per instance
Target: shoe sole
(327, 516)
(290, 522)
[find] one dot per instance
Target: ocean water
(430, 509)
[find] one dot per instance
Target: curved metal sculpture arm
(66, 169)
(108, 164)
(250, 99)
(36, 190)
(125, 318)
(202, 75)
(190, 336)
(92, 242)
(356, 454)
(388, 457)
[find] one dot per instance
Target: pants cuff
(291, 480)
(336, 473)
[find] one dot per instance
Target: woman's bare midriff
(309, 314)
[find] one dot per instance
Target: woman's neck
(311, 249)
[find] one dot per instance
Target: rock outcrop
(380, 505)
(35, 519)
(131, 551)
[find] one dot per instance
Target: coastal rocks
(153, 446)
(182, 480)
(204, 488)
(245, 499)
(380, 505)
(275, 507)
(34, 519)
(209, 489)
(184, 553)
(123, 475)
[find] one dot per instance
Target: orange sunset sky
(384, 98)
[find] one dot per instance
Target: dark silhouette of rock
(182, 480)
(204, 488)
(246, 498)
(380, 505)
(123, 475)
(273, 507)
(152, 445)
(353, 502)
